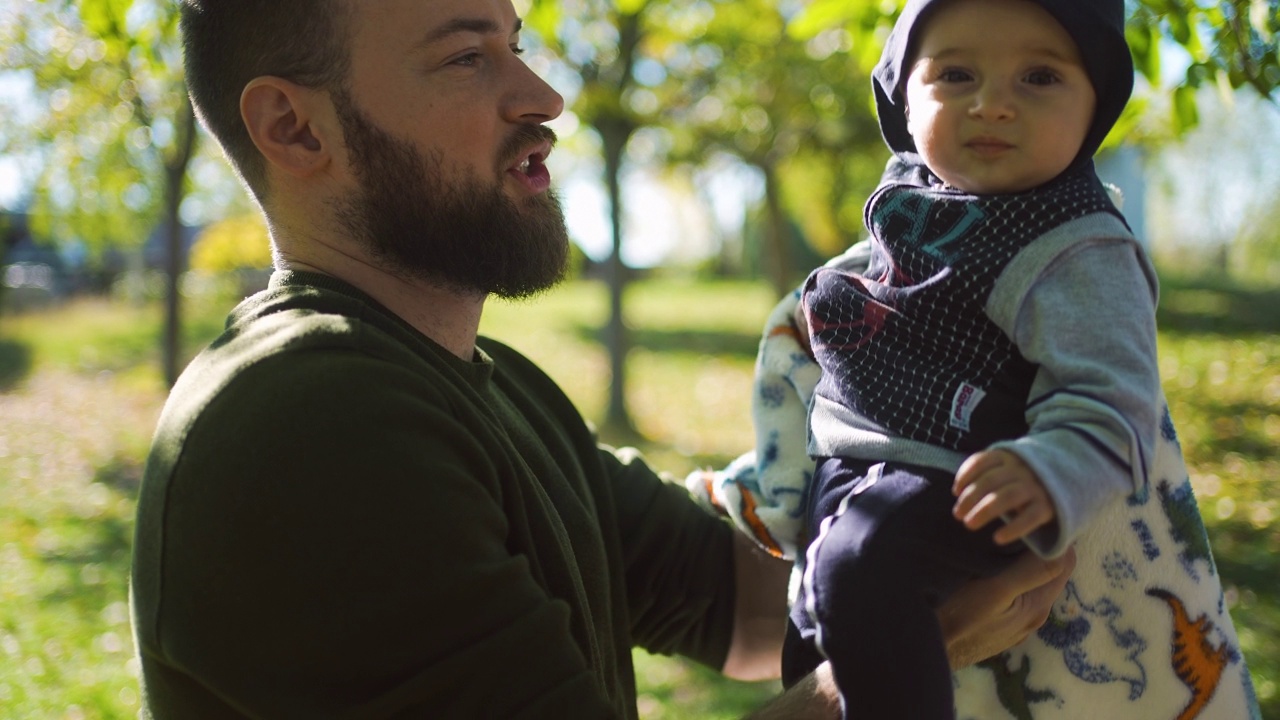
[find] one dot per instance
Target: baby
(989, 382)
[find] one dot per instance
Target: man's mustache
(525, 136)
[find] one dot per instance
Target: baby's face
(998, 99)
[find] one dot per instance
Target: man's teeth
(524, 166)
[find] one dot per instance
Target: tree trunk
(175, 257)
(614, 136)
(775, 255)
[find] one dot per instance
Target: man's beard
(456, 232)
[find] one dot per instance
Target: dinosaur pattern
(759, 530)
(1150, 550)
(1011, 686)
(1196, 661)
(1185, 525)
(1087, 635)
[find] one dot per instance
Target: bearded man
(355, 507)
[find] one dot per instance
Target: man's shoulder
(280, 355)
(290, 318)
(262, 331)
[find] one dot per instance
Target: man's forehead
(427, 22)
(470, 24)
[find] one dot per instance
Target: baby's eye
(954, 75)
(1042, 77)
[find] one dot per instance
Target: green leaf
(1179, 26)
(1129, 122)
(105, 18)
(1199, 73)
(544, 17)
(630, 7)
(1144, 44)
(1185, 114)
(822, 15)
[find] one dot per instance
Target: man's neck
(449, 317)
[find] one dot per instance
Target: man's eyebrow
(479, 26)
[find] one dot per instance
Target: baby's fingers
(1023, 522)
(1004, 500)
(977, 496)
(974, 468)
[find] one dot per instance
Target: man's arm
(983, 618)
(760, 612)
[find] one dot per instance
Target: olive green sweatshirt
(341, 519)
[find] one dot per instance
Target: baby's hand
(997, 483)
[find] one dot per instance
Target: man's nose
(531, 99)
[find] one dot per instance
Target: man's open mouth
(532, 169)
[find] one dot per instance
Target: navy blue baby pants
(884, 551)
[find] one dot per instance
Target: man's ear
(286, 123)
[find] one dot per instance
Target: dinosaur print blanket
(1140, 631)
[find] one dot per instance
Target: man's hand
(995, 484)
(988, 616)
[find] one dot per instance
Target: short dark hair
(227, 43)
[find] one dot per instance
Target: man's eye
(466, 60)
(517, 50)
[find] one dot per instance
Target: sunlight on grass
(672, 689)
(65, 530)
(78, 411)
(689, 371)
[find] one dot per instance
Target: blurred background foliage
(236, 243)
(124, 238)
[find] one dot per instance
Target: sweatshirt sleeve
(679, 564)
(1087, 319)
(676, 557)
(334, 549)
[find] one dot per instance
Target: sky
(12, 86)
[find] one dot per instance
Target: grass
(80, 392)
